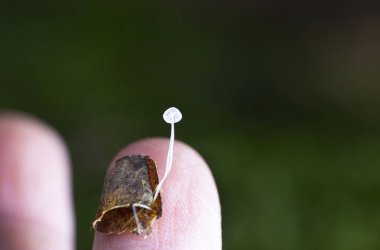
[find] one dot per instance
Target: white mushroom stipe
(136, 219)
(171, 115)
(136, 215)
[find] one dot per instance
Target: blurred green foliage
(282, 100)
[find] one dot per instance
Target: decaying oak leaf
(132, 181)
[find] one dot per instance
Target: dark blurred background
(280, 97)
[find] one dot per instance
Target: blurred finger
(35, 197)
(191, 210)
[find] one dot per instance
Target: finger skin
(191, 210)
(35, 197)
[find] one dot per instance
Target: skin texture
(36, 210)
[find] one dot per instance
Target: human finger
(191, 211)
(35, 194)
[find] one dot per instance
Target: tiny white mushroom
(171, 115)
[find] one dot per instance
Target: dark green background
(281, 99)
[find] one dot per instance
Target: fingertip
(191, 209)
(35, 193)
